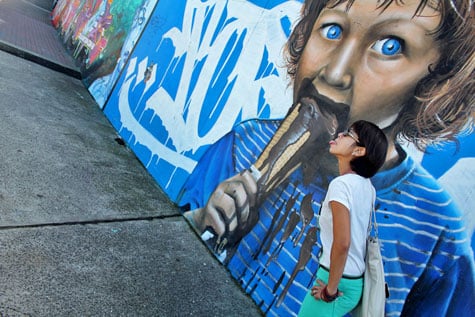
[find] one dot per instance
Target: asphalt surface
(84, 229)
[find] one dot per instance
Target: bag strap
(372, 219)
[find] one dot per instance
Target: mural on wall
(206, 89)
(95, 31)
(268, 239)
(222, 54)
(101, 88)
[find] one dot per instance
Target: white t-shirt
(357, 194)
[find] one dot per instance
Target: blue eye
(389, 46)
(331, 32)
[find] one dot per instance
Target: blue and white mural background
(200, 68)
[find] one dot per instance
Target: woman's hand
(319, 289)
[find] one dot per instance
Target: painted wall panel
(101, 34)
(198, 70)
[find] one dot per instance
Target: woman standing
(344, 219)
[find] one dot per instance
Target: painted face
(369, 59)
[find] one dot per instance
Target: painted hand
(229, 213)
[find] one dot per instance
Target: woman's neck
(344, 167)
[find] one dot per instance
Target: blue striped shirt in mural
(427, 257)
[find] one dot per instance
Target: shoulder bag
(374, 289)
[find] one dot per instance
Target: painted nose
(338, 72)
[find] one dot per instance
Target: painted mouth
(309, 94)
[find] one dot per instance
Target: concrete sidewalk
(84, 229)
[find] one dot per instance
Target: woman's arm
(340, 246)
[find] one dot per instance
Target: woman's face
(344, 144)
(369, 59)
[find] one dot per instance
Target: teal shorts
(352, 289)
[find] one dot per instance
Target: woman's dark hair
(374, 140)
